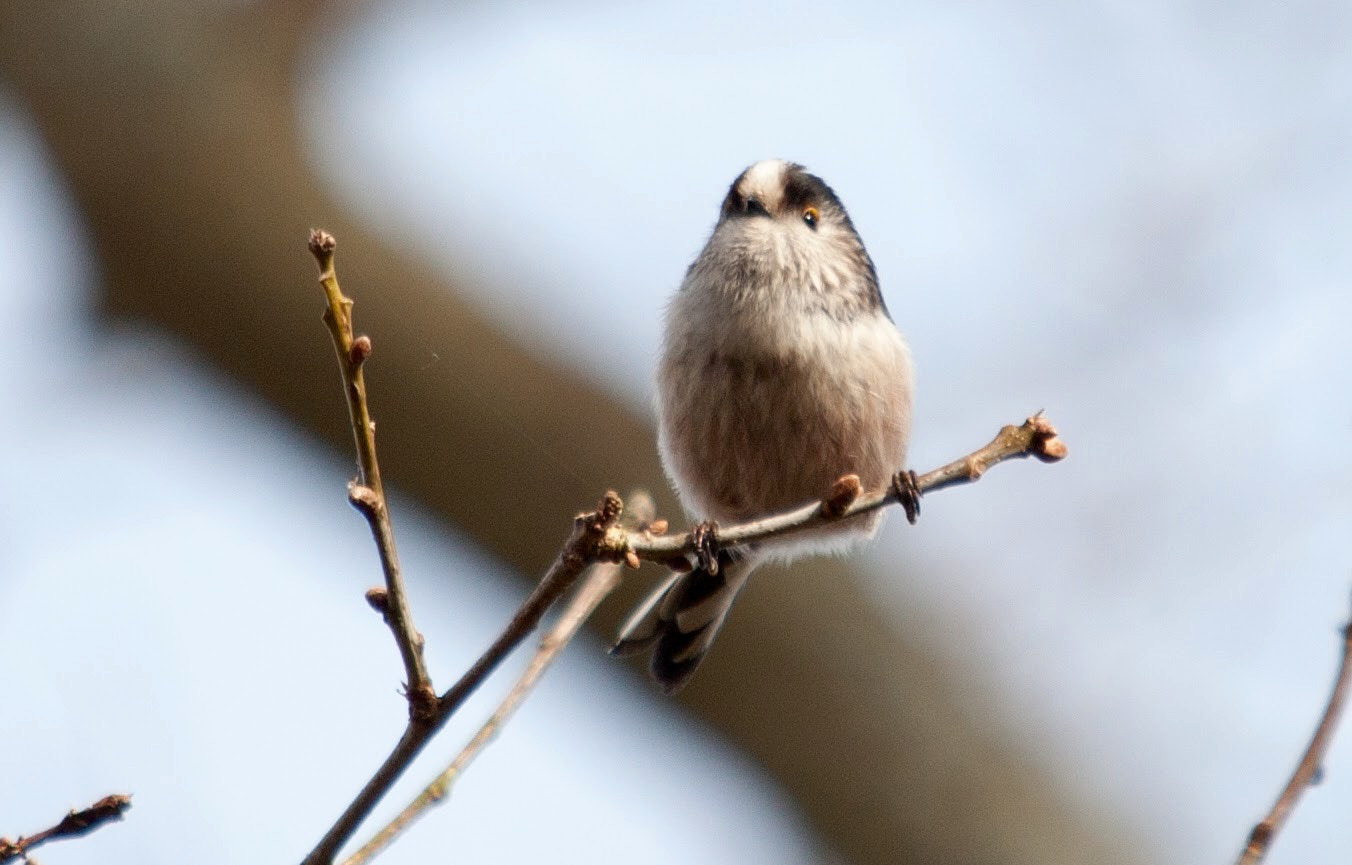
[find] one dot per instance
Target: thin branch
(600, 582)
(367, 494)
(584, 546)
(596, 537)
(1307, 770)
(74, 825)
(1036, 437)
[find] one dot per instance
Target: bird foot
(705, 538)
(907, 488)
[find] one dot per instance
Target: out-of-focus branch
(1307, 770)
(73, 825)
(367, 494)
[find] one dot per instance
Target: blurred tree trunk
(175, 128)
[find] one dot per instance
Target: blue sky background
(1132, 214)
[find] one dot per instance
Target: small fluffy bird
(781, 371)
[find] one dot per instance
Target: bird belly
(747, 432)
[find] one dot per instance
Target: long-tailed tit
(781, 371)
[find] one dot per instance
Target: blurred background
(1132, 214)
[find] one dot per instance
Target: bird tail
(680, 619)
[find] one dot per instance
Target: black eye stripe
(802, 189)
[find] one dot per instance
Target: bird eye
(810, 216)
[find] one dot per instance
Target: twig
(367, 493)
(1307, 770)
(1036, 437)
(585, 546)
(597, 537)
(600, 582)
(73, 825)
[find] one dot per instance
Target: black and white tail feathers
(680, 619)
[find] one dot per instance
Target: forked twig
(584, 547)
(599, 583)
(597, 537)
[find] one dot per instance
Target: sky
(1133, 215)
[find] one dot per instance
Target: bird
(781, 372)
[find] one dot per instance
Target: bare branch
(74, 825)
(1036, 437)
(597, 537)
(367, 494)
(599, 583)
(584, 546)
(1307, 770)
